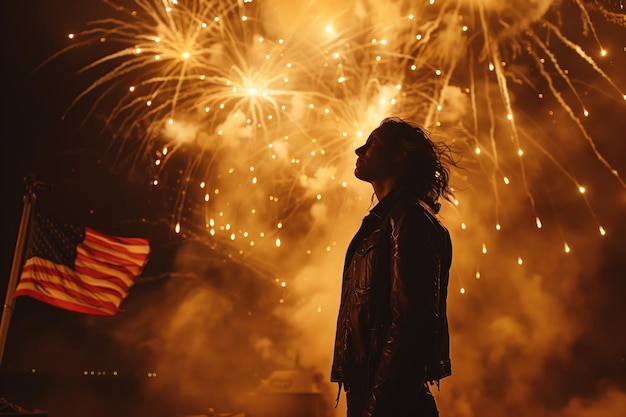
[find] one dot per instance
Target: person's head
(400, 153)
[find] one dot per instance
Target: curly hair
(426, 167)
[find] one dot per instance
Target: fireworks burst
(250, 111)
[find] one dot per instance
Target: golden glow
(246, 115)
(264, 114)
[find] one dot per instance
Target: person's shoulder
(409, 209)
(417, 213)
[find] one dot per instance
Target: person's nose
(360, 151)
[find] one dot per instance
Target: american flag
(80, 269)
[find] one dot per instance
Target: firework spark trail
(557, 66)
(563, 103)
(580, 51)
(569, 176)
(577, 121)
(587, 22)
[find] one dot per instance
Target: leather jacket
(392, 328)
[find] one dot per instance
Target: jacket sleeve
(413, 302)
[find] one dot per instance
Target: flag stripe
(70, 304)
(60, 286)
(89, 258)
(81, 269)
(40, 269)
(123, 244)
(96, 273)
(135, 250)
(98, 259)
(51, 274)
(104, 252)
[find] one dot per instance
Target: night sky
(535, 331)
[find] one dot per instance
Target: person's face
(377, 159)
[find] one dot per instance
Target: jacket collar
(385, 205)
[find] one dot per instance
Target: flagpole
(30, 198)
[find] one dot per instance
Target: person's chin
(359, 174)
